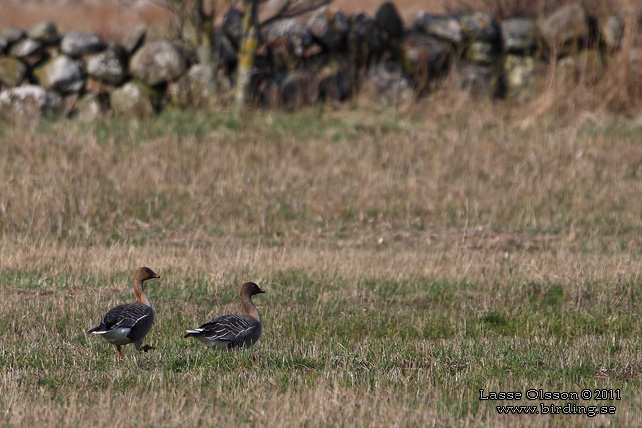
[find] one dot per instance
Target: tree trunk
(247, 52)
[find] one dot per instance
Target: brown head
(143, 274)
(250, 289)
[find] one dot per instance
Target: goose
(233, 331)
(129, 322)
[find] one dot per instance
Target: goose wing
(128, 315)
(228, 328)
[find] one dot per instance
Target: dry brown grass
(412, 255)
(391, 248)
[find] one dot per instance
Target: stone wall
(330, 56)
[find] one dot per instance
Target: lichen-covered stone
(194, 89)
(518, 35)
(565, 29)
(12, 71)
(45, 32)
(158, 62)
(479, 26)
(443, 27)
(77, 44)
(135, 99)
(480, 52)
(29, 102)
(109, 66)
(330, 27)
(92, 106)
(518, 74)
(62, 74)
(135, 39)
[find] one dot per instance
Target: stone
(424, 58)
(135, 99)
(110, 65)
(45, 32)
(389, 82)
(518, 74)
(62, 74)
(443, 27)
(611, 30)
(334, 79)
(518, 35)
(12, 71)
(287, 41)
(480, 52)
(635, 60)
(13, 35)
(290, 90)
(388, 20)
(189, 51)
(27, 49)
(158, 62)
(227, 54)
(135, 39)
(232, 26)
(91, 106)
(194, 89)
(566, 29)
(364, 40)
(330, 27)
(480, 80)
(77, 44)
(289, 33)
(29, 102)
(479, 26)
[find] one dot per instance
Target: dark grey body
(126, 323)
(229, 331)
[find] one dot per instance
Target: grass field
(410, 260)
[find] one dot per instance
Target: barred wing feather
(125, 316)
(228, 328)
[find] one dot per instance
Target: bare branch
(292, 8)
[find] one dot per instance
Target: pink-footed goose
(233, 331)
(129, 322)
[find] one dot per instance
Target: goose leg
(146, 348)
(120, 356)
